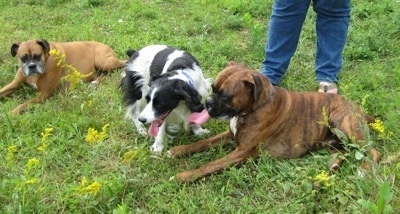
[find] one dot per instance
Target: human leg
(332, 27)
(283, 35)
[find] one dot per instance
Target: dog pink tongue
(194, 118)
(153, 130)
(199, 117)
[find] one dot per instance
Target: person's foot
(328, 87)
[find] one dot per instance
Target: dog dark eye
(157, 104)
(24, 58)
(223, 97)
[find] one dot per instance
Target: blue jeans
(287, 18)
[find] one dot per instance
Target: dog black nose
(142, 119)
(32, 65)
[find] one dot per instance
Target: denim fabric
(287, 18)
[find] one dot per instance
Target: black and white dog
(164, 85)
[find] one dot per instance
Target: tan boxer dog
(39, 69)
(271, 119)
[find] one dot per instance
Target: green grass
(215, 32)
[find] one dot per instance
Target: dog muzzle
(217, 109)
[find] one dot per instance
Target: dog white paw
(93, 84)
(169, 154)
(142, 132)
(156, 148)
(200, 131)
(172, 178)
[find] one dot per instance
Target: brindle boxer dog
(39, 69)
(279, 122)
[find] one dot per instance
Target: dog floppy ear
(44, 44)
(257, 88)
(191, 97)
(263, 90)
(255, 85)
(14, 49)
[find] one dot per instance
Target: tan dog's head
(237, 90)
(32, 56)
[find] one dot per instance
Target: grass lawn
(46, 166)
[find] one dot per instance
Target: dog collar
(190, 81)
(271, 93)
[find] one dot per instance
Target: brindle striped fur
(282, 123)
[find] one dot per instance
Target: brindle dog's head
(237, 90)
(32, 56)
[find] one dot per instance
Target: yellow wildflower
(33, 162)
(54, 52)
(379, 127)
(91, 135)
(129, 156)
(47, 132)
(73, 75)
(94, 136)
(83, 182)
(89, 103)
(42, 147)
(92, 189)
(323, 179)
(105, 127)
(12, 149)
(32, 181)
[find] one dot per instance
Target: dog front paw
(187, 176)
(173, 153)
(198, 130)
(15, 112)
(156, 148)
(177, 151)
(142, 132)
(18, 110)
(201, 132)
(170, 154)
(93, 84)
